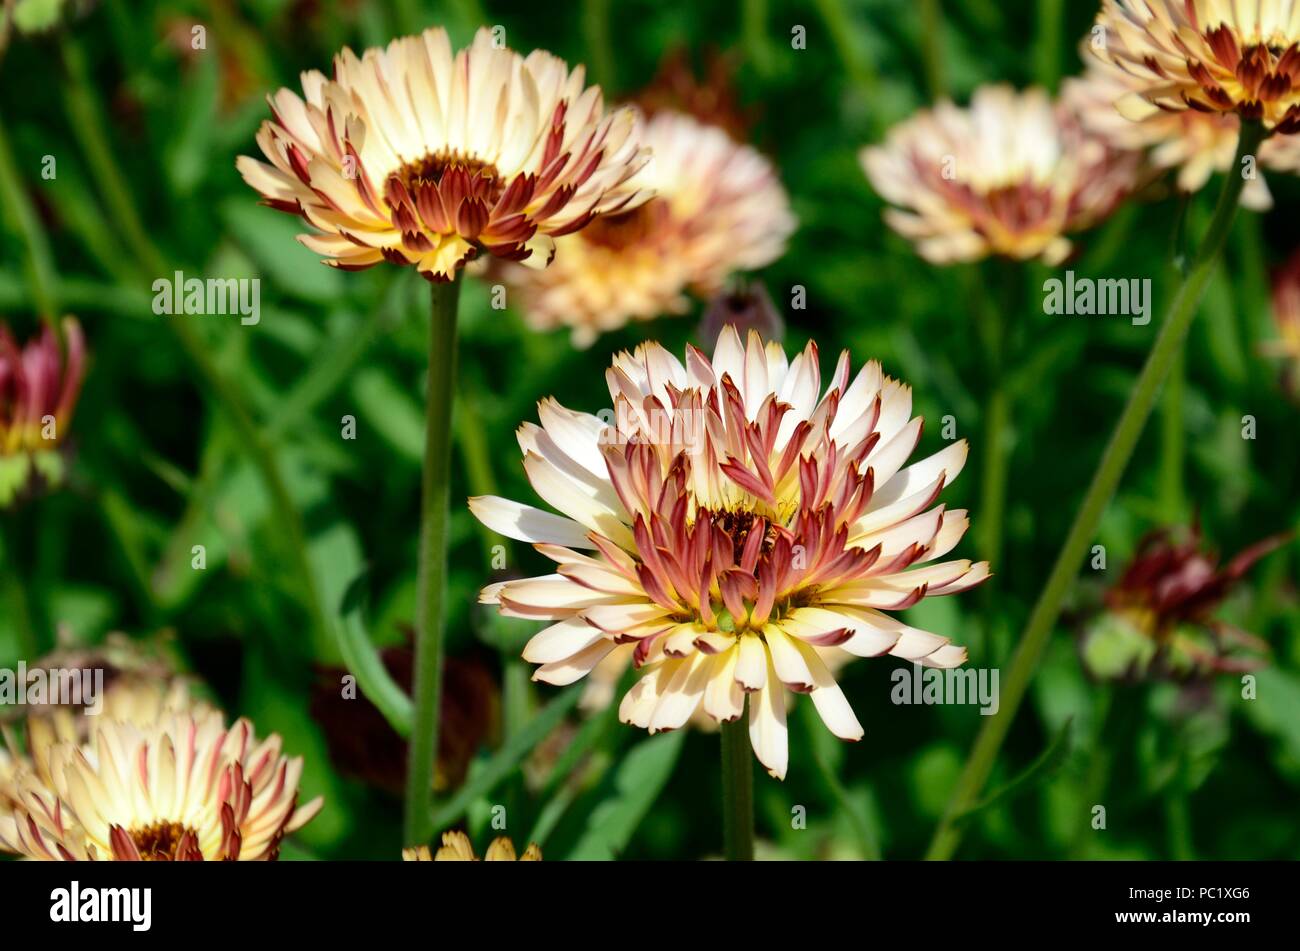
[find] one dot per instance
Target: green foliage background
(158, 469)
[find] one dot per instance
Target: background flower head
(1009, 176)
(718, 208)
(1160, 617)
(744, 523)
(415, 155)
(39, 385)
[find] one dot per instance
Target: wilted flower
(186, 788)
(1159, 618)
(746, 305)
(1210, 55)
(363, 744)
(1196, 143)
(415, 156)
(456, 847)
(712, 99)
(719, 208)
(38, 392)
(743, 524)
(1009, 176)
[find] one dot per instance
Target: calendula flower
(1286, 313)
(39, 386)
(719, 208)
(1160, 616)
(1009, 176)
(415, 155)
(456, 847)
(742, 523)
(1196, 144)
(187, 788)
(1229, 56)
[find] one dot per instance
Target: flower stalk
(431, 581)
(737, 791)
(1123, 441)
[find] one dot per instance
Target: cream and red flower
(185, 788)
(718, 208)
(1286, 311)
(742, 523)
(1197, 144)
(417, 155)
(39, 386)
(1009, 176)
(456, 847)
(1160, 617)
(1225, 56)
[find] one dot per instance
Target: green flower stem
(997, 412)
(431, 582)
(23, 618)
(932, 49)
(600, 51)
(86, 120)
(21, 219)
(737, 790)
(1047, 45)
(1172, 442)
(1173, 333)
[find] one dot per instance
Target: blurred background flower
(1011, 176)
(39, 385)
(718, 208)
(1160, 616)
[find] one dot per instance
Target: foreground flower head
(456, 847)
(719, 208)
(743, 524)
(1229, 56)
(417, 155)
(1009, 176)
(39, 386)
(1160, 616)
(1196, 144)
(187, 788)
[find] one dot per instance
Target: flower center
(161, 841)
(617, 232)
(739, 525)
(483, 178)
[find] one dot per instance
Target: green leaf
(33, 16)
(507, 758)
(637, 784)
(363, 662)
